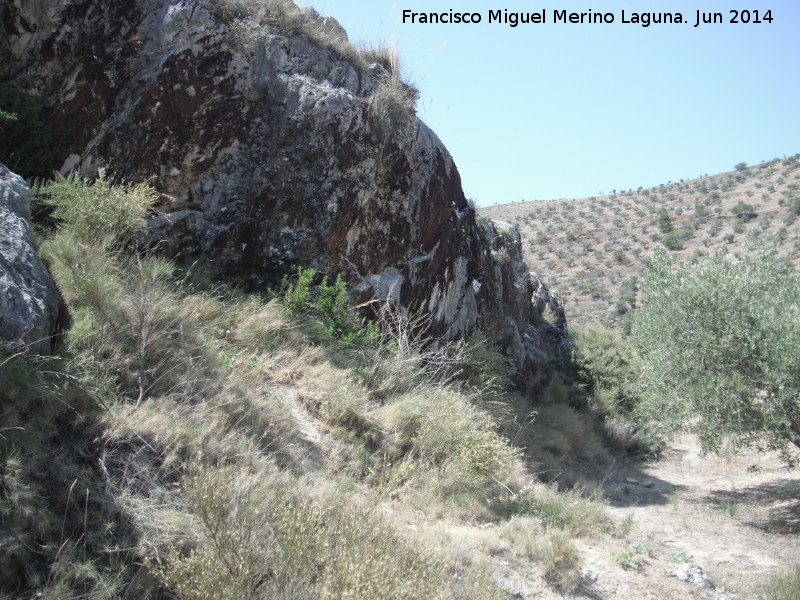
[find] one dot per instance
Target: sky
(568, 110)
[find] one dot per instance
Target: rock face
(29, 300)
(275, 146)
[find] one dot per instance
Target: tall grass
(242, 446)
(783, 586)
(260, 537)
(392, 99)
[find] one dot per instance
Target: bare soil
(739, 526)
(735, 526)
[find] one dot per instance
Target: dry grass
(238, 450)
(783, 586)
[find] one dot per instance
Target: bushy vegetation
(606, 365)
(260, 536)
(718, 343)
(31, 144)
(327, 303)
(96, 211)
(227, 445)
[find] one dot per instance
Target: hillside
(256, 343)
(589, 250)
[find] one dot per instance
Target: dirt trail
(739, 527)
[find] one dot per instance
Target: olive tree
(719, 347)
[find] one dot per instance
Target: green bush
(673, 241)
(128, 337)
(743, 209)
(97, 211)
(443, 432)
(632, 556)
(572, 510)
(717, 344)
(665, 222)
(329, 304)
(605, 363)
(31, 144)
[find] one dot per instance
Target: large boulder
(275, 146)
(29, 300)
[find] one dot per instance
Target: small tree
(665, 222)
(742, 209)
(673, 241)
(718, 344)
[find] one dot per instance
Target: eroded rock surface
(29, 300)
(274, 151)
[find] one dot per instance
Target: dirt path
(738, 527)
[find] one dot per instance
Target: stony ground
(737, 526)
(688, 527)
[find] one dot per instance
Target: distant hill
(589, 250)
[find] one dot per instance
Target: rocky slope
(590, 250)
(275, 144)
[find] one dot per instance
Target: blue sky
(546, 111)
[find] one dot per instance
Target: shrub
(30, 142)
(446, 435)
(329, 303)
(632, 556)
(602, 361)
(98, 211)
(717, 343)
(743, 209)
(261, 538)
(665, 222)
(570, 510)
(393, 102)
(246, 19)
(673, 241)
(559, 558)
(128, 335)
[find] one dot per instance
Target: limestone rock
(276, 150)
(29, 301)
(692, 573)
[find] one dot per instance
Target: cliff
(276, 144)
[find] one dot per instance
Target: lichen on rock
(277, 146)
(29, 301)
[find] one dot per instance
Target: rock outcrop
(29, 301)
(275, 146)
